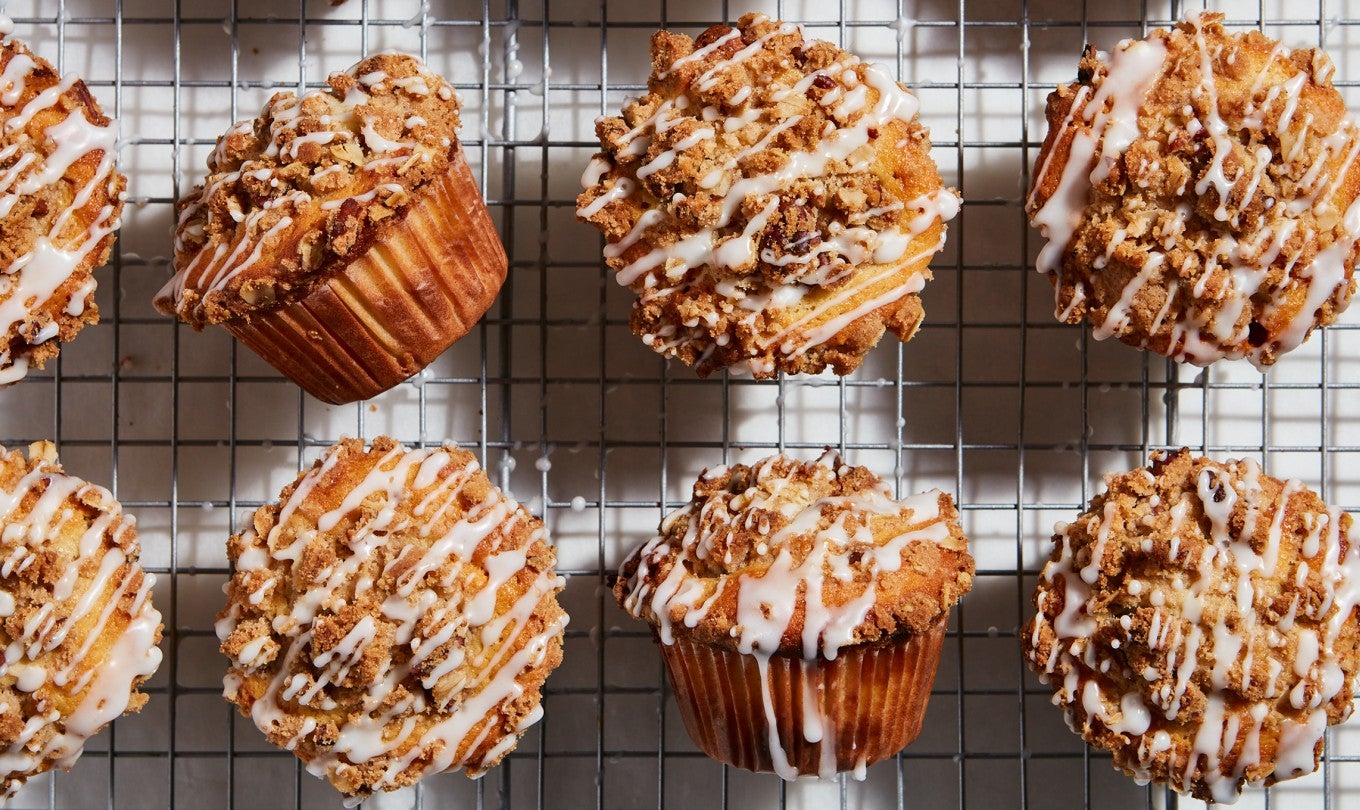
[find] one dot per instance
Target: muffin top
(59, 205)
(1198, 190)
(77, 626)
(800, 558)
(306, 187)
(394, 615)
(1198, 621)
(767, 192)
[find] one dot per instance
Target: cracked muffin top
(771, 200)
(1198, 190)
(295, 194)
(1198, 621)
(798, 557)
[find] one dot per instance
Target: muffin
(341, 235)
(771, 201)
(77, 626)
(1198, 192)
(392, 616)
(800, 611)
(59, 206)
(1198, 622)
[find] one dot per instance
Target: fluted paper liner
(871, 698)
(422, 284)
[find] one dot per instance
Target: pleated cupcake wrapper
(422, 285)
(868, 703)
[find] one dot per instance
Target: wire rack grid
(1014, 414)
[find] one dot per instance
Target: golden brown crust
(295, 195)
(788, 529)
(766, 186)
(392, 595)
(76, 620)
(1196, 602)
(1221, 231)
(62, 192)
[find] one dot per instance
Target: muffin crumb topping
(1199, 622)
(307, 186)
(1200, 194)
(766, 195)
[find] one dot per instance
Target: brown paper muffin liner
(423, 284)
(868, 703)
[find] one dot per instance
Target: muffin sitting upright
(800, 612)
(393, 616)
(341, 236)
(771, 201)
(1199, 193)
(60, 202)
(1199, 622)
(77, 627)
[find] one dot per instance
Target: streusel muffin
(59, 206)
(800, 611)
(393, 616)
(1198, 621)
(771, 200)
(341, 235)
(77, 626)
(1198, 190)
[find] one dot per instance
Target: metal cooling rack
(1016, 415)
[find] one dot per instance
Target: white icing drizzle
(766, 600)
(352, 120)
(1108, 124)
(54, 646)
(1103, 125)
(706, 257)
(1210, 621)
(35, 278)
(428, 482)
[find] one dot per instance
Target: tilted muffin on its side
(393, 616)
(808, 584)
(1199, 622)
(60, 203)
(771, 200)
(341, 235)
(77, 627)
(1199, 193)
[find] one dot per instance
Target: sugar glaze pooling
(766, 603)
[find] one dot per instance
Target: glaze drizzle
(79, 630)
(791, 557)
(37, 159)
(436, 607)
(1257, 243)
(1230, 612)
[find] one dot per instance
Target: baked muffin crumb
(306, 187)
(1198, 621)
(77, 626)
(1218, 217)
(798, 558)
(771, 200)
(393, 616)
(59, 208)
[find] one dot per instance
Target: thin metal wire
(494, 138)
